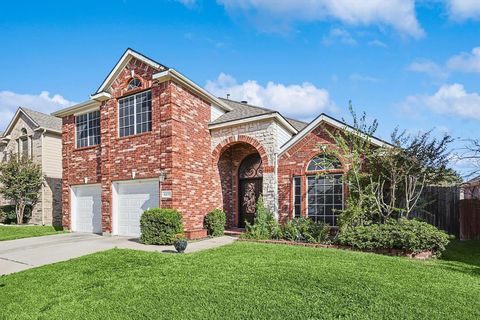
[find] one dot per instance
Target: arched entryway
(250, 185)
(241, 168)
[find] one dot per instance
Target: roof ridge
(248, 105)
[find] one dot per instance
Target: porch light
(162, 177)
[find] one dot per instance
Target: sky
(409, 64)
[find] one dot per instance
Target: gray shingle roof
(244, 111)
(44, 120)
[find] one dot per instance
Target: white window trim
(134, 113)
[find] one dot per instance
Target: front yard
(248, 280)
(19, 232)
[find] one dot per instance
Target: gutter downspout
(43, 183)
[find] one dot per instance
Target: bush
(8, 215)
(215, 222)
(265, 226)
(408, 235)
(305, 230)
(160, 226)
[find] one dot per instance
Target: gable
(130, 59)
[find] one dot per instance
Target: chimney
(244, 101)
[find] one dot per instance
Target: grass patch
(244, 281)
(19, 232)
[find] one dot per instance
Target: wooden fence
(470, 219)
(442, 209)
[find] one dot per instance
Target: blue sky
(412, 64)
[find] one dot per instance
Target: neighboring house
(38, 136)
(471, 189)
(146, 120)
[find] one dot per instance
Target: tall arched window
(134, 84)
(324, 191)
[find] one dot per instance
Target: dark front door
(250, 185)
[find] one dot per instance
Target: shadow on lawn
(466, 252)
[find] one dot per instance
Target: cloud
(188, 3)
(43, 102)
(377, 43)
(430, 68)
(460, 10)
(302, 101)
(466, 61)
(340, 35)
(270, 14)
(357, 77)
(450, 99)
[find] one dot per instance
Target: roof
(242, 110)
(473, 181)
(39, 120)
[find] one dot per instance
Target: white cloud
(461, 10)
(378, 43)
(466, 61)
(357, 77)
(302, 101)
(397, 14)
(43, 102)
(188, 3)
(340, 35)
(429, 67)
(450, 99)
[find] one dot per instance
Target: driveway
(18, 255)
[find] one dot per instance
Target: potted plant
(180, 244)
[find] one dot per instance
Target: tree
(20, 182)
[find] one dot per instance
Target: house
(471, 189)
(37, 136)
(149, 137)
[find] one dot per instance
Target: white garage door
(132, 199)
(87, 209)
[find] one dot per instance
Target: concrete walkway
(18, 255)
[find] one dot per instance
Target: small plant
(215, 222)
(265, 226)
(160, 226)
(180, 243)
(305, 230)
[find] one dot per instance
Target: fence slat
(470, 219)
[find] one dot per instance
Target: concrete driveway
(18, 255)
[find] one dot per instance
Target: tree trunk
(20, 210)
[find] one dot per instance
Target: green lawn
(247, 281)
(18, 232)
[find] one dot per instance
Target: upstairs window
(134, 84)
(88, 129)
(23, 144)
(135, 114)
(324, 162)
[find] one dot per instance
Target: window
(325, 196)
(324, 162)
(297, 196)
(134, 84)
(88, 129)
(135, 114)
(23, 145)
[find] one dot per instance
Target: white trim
(315, 123)
(78, 109)
(10, 125)
(102, 96)
(127, 55)
(172, 74)
(274, 115)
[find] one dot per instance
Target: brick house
(37, 136)
(151, 137)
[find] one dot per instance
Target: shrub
(265, 226)
(215, 222)
(408, 235)
(305, 230)
(160, 226)
(8, 215)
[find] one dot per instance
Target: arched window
(23, 131)
(134, 84)
(324, 162)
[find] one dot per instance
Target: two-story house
(150, 137)
(37, 136)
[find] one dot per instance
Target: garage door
(132, 199)
(87, 209)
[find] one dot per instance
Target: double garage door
(130, 200)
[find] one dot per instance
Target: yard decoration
(180, 244)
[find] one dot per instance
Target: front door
(250, 177)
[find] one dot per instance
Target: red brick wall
(179, 144)
(294, 162)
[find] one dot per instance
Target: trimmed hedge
(8, 215)
(408, 235)
(160, 226)
(215, 223)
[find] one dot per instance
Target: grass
(247, 281)
(19, 232)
